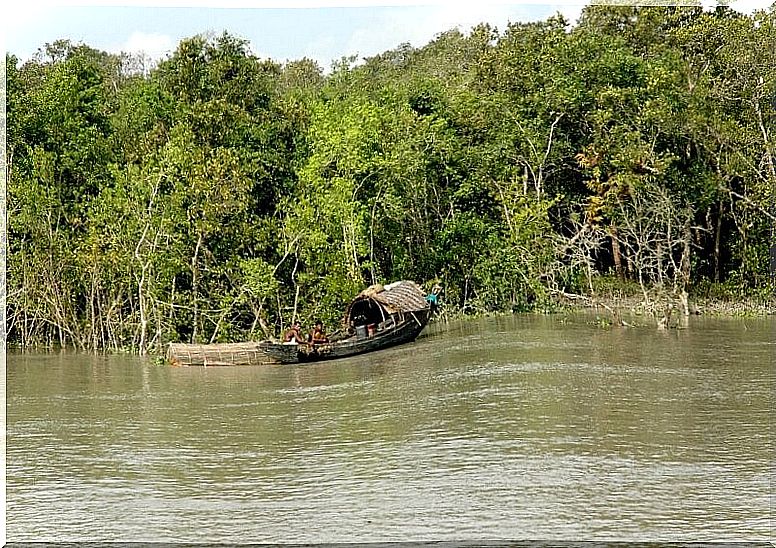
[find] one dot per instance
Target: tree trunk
(195, 287)
(296, 301)
(525, 180)
(171, 319)
(616, 253)
(141, 302)
(717, 237)
(685, 267)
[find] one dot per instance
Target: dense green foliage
(218, 195)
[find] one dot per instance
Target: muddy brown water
(525, 427)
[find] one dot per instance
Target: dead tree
(657, 235)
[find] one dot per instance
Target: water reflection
(523, 427)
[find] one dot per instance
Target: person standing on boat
(318, 335)
(294, 334)
(433, 297)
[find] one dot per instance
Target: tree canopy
(219, 195)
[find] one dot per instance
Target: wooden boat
(379, 317)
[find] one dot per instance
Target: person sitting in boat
(294, 335)
(318, 335)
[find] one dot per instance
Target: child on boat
(318, 335)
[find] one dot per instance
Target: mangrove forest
(216, 196)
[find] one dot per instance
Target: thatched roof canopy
(403, 296)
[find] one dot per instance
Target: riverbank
(615, 301)
(698, 306)
(623, 302)
(718, 299)
(624, 307)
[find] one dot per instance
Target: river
(524, 427)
